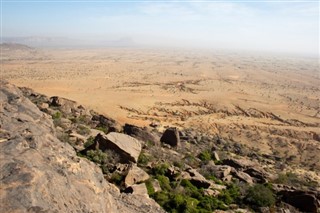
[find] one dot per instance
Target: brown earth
(268, 102)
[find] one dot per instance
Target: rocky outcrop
(196, 178)
(221, 171)
(171, 137)
(135, 175)
(126, 146)
(41, 174)
(142, 134)
(108, 123)
(303, 200)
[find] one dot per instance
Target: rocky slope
(45, 168)
(39, 173)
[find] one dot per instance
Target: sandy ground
(268, 102)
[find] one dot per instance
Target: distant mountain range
(40, 41)
(14, 46)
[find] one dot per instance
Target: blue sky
(279, 26)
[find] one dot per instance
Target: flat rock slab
(129, 145)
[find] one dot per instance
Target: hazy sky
(281, 26)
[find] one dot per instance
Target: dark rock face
(302, 200)
(38, 173)
(110, 124)
(142, 134)
(171, 137)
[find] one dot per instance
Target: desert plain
(267, 102)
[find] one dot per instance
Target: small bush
(103, 129)
(260, 196)
(89, 142)
(149, 186)
(143, 159)
(160, 169)
(205, 155)
(230, 195)
(83, 130)
(116, 178)
(164, 182)
(97, 156)
(57, 115)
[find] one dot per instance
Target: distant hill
(39, 41)
(14, 47)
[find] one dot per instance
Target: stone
(126, 146)
(259, 175)
(238, 163)
(108, 123)
(220, 171)
(142, 134)
(156, 185)
(171, 137)
(215, 156)
(211, 192)
(197, 179)
(135, 175)
(137, 189)
(65, 105)
(242, 176)
(305, 201)
(227, 178)
(44, 106)
(79, 139)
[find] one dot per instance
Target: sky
(272, 26)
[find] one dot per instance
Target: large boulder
(171, 137)
(135, 175)
(196, 178)
(39, 173)
(220, 171)
(259, 175)
(242, 176)
(142, 134)
(108, 123)
(126, 146)
(238, 163)
(302, 200)
(137, 189)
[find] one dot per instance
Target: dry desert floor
(268, 102)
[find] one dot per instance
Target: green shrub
(161, 197)
(205, 155)
(230, 195)
(89, 142)
(149, 186)
(103, 129)
(57, 115)
(260, 196)
(160, 169)
(116, 178)
(178, 164)
(143, 159)
(83, 130)
(164, 182)
(97, 156)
